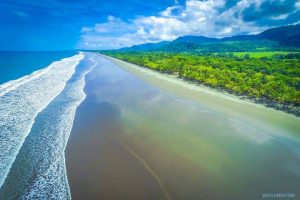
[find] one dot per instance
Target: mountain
(285, 38)
(285, 35)
(195, 39)
(146, 47)
(239, 38)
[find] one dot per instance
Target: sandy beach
(219, 101)
(143, 135)
(100, 165)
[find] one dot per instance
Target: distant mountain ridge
(280, 38)
(196, 39)
(285, 34)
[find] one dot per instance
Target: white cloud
(168, 11)
(279, 17)
(297, 5)
(195, 18)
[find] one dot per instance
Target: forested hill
(286, 35)
(285, 38)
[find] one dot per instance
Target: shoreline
(196, 86)
(97, 152)
(135, 135)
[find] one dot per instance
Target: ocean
(39, 94)
(15, 64)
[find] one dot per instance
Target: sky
(112, 24)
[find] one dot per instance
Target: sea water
(16, 64)
(36, 117)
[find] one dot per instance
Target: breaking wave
(20, 102)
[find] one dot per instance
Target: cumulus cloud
(213, 18)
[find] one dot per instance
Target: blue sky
(110, 24)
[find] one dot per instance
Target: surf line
(16, 133)
(148, 168)
(95, 63)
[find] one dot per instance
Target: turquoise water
(15, 64)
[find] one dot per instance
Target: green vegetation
(273, 80)
(231, 46)
(179, 46)
(263, 53)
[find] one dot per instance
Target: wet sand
(99, 164)
(136, 136)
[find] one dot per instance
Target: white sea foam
(39, 171)
(13, 84)
(20, 102)
(51, 179)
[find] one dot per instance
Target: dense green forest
(272, 80)
(226, 46)
(187, 45)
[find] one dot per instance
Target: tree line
(275, 79)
